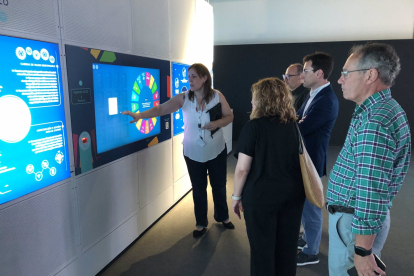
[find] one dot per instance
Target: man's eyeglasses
(346, 73)
(286, 77)
(308, 70)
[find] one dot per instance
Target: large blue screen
(119, 88)
(33, 141)
(181, 85)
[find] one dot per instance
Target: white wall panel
(181, 187)
(37, 236)
(103, 24)
(203, 34)
(154, 172)
(269, 21)
(182, 16)
(179, 165)
(228, 136)
(107, 197)
(158, 206)
(97, 257)
(71, 270)
(150, 28)
(39, 17)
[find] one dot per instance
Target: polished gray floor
(168, 248)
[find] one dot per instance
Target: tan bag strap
(300, 138)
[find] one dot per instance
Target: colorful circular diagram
(144, 96)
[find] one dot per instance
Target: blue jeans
(217, 172)
(342, 241)
(312, 223)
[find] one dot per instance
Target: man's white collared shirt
(313, 95)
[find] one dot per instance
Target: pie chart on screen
(15, 119)
(144, 96)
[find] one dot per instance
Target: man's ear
(319, 74)
(372, 75)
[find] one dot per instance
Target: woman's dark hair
(208, 90)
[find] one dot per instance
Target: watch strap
(362, 251)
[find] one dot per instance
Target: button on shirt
(313, 95)
(373, 162)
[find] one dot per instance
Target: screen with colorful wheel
(119, 88)
(33, 141)
(181, 85)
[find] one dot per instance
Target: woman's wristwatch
(235, 197)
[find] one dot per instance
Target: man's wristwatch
(235, 197)
(362, 251)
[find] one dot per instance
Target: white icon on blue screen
(44, 54)
(39, 175)
(36, 55)
(29, 51)
(59, 157)
(20, 53)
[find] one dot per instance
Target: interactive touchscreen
(33, 141)
(119, 88)
(181, 85)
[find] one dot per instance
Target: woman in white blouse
(203, 151)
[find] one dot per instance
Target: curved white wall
(269, 21)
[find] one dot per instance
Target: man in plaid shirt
(372, 164)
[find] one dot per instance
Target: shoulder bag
(311, 180)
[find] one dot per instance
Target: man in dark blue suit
(317, 117)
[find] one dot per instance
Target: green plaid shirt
(373, 162)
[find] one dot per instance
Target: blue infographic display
(33, 141)
(119, 88)
(180, 84)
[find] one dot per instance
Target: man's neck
(319, 84)
(371, 91)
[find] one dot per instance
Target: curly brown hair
(272, 97)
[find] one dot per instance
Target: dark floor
(168, 248)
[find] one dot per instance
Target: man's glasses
(286, 77)
(345, 74)
(308, 70)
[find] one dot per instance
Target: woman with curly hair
(268, 185)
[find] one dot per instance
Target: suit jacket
(317, 126)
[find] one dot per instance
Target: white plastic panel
(107, 197)
(203, 34)
(39, 17)
(150, 28)
(228, 136)
(96, 258)
(181, 187)
(150, 213)
(37, 236)
(103, 24)
(179, 165)
(182, 15)
(71, 270)
(154, 172)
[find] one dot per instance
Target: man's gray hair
(381, 57)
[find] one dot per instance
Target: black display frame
(79, 62)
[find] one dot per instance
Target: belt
(340, 209)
